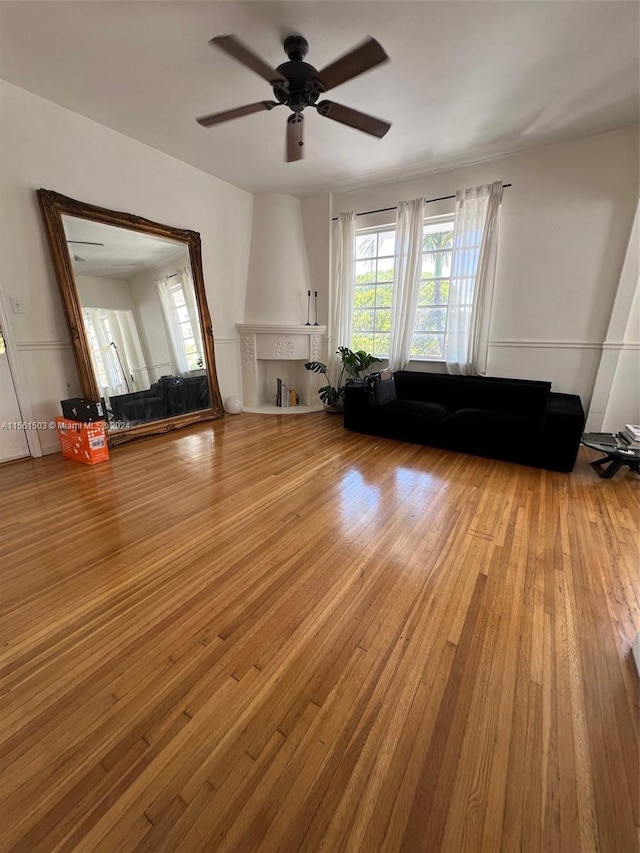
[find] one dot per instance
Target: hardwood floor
(268, 633)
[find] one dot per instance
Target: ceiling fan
(77, 257)
(298, 85)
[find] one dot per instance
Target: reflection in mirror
(141, 320)
(134, 297)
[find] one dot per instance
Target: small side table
(616, 454)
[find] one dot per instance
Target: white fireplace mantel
(268, 350)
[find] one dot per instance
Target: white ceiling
(120, 253)
(466, 81)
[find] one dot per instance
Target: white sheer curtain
(406, 285)
(473, 264)
(109, 354)
(342, 294)
(132, 346)
(172, 328)
(190, 300)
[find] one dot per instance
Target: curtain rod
(395, 206)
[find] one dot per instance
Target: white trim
(236, 341)
(540, 344)
(267, 329)
(24, 403)
(272, 409)
(375, 229)
(154, 366)
(618, 346)
(34, 346)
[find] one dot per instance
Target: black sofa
(516, 420)
(137, 406)
(183, 393)
(169, 396)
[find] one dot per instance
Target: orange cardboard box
(84, 442)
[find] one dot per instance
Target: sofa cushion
(428, 387)
(519, 396)
(522, 396)
(429, 415)
(487, 432)
(410, 420)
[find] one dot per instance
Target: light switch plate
(17, 305)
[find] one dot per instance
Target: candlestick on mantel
(308, 307)
(316, 306)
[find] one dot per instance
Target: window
(107, 368)
(374, 275)
(116, 352)
(373, 289)
(192, 352)
(431, 314)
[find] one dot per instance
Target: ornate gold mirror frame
(54, 206)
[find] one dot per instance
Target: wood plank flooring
(271, 634)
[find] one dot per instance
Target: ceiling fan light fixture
(295, 137)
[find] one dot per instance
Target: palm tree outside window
(373, 292)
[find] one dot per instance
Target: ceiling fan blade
(235, 48)
(367, 55)
(295, 134)
(238, 112)
(347, 115)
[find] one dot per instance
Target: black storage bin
(85, 411)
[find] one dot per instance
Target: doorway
(13, 439)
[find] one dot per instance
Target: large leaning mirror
(134, 298)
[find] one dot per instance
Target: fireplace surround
(269, 352)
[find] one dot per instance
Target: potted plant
(354, 366)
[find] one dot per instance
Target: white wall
(44, 145)
(616, 394)
(97, 292)
(278, 282)
(316, 220)
(564, 226)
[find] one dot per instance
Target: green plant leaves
(316, 367)
(330, 396)
(354, 364)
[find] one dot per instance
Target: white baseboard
(49, 445)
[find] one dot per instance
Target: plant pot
(333, 410)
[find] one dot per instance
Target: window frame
(377, 230)
(439, 219)
(380, 229)
(186, 339)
